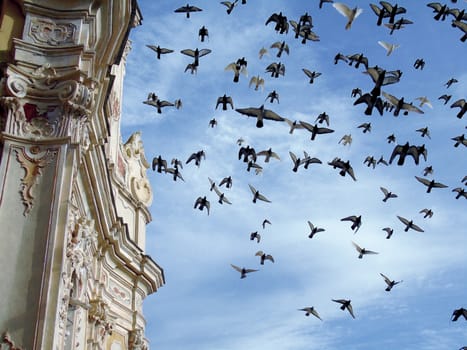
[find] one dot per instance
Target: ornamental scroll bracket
(32, 160)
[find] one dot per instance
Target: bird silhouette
(187, 9)
(419, 63)
(450, 82)
(389, 232)
(314, 230)
(430, 184)
(460, 103)
(402, 151)
(201, 203)
(441, 10)
(457, 313)
(230, 5)
(260, 114)
(365, 126)
(390, 283)
(293, 125)
(460, 140)
(248, 153)
(276, 69)
(310, 310)
(237, 69)
(257, 195)
(243, 271)
(463, 27)
(445, 98)
(281, 47)
(344, 166)
(213, 122)
(222, 197)
(224, 101)
(345, 304)
(400, 104)
(409, 224)
(268, 154)
(281, 24)
(428, 213)
(203, 33)
(227, 181)
(311, 75)
(358, 59)
(273, 95)
(197, 156)
(387, 194)
(460, 192)
(255, 235)
(175, 173)
(315, 129)
(265, 221)
(159, 50)
(158, 104)
(392, 10)
(356, 222)
(159, 164)
(362, 251)
(196, 54)
(264, 256)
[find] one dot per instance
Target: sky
(204, 303)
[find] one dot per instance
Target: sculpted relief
(137, 165)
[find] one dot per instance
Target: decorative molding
(6, 343)
(119, 293)
(46, 31)
(32, 161)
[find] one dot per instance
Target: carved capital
(44, 104)
(32, 160)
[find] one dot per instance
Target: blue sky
(204, 303)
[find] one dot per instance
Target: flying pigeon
(345, 305)
(409, 224)
(351, 14)
(310, 311)
(390, 283)
(187, 9)
(362, 251)
(264, 256)
(257, 195)
(260, 114)
(243, 271)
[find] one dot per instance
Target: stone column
(45, 104)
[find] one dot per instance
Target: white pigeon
(351, 14)
(389, 47)
(424, 101)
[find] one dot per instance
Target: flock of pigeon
(376, 101)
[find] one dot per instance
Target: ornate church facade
(74, 198)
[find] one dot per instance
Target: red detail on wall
(30, 110)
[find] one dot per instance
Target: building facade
(74, 198)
